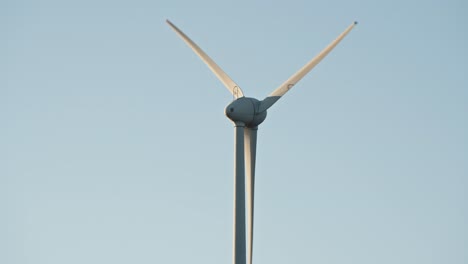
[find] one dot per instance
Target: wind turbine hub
(245, 110)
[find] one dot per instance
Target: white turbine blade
(222, 76)
(288, 84)
(250, 140)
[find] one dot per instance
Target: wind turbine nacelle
(245, 110)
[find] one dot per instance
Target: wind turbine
(247, 113)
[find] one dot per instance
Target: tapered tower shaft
(239, 243)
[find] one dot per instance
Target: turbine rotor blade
(250, 140)
(288, 84)
(222, 76)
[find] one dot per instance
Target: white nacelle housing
(245, 110)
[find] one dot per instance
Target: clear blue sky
(114, 147)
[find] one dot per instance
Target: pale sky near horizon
(114, 147)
